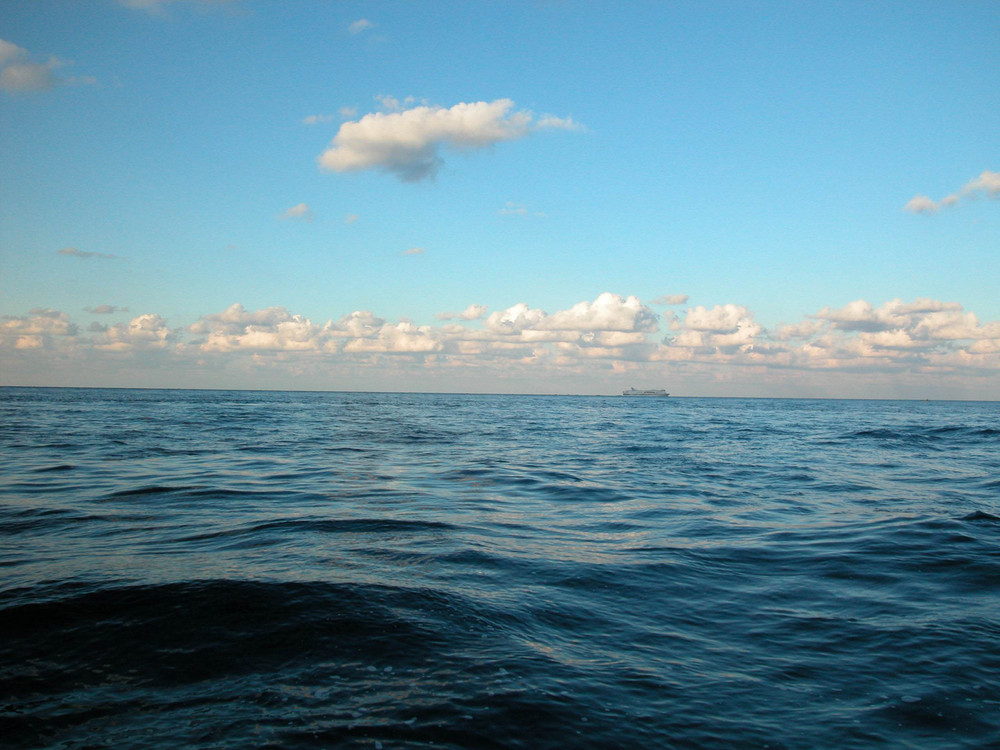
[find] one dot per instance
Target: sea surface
(213, 569)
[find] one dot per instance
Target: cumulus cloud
(270, 329)
(362, 24)
(987, 184)
(921, 204)
(300, 212)
(86, 254)
(407, 142)
(236, 318)
(144, 332)
(613, 334)
(514, 319)
(398, 338)
(41, 328)
(860, 315)
(719, 319)
(472, 312)
(609, 312)
(720, 328)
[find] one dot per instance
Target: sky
(775, 199)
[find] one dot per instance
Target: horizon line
(482, 393)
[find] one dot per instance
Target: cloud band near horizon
(611, 333)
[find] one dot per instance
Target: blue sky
(717, 198)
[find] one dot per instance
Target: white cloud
(317, 119)
(719, 319)
(346, 113)
(270, 329)
(551, 122)
(359, 323)
(414, 251)
(472, 312)
(514, 319)
(720, 329)
(389, 103)
(144, 332)
(39, 329)
(300, 212)
(987, 183)
(105, 309)
(235, 318)
(362, 24)
(611, 334)
(861, 316)
(21, 74)
(608, 312)
(406, 143)
(398, 338)
(351, 218)
(921, 204)
(804, 330)
(27, 76)
(77, 253)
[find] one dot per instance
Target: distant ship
(651, 392)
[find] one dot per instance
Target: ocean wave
(314, 570)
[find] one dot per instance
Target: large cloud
(720, 328)
(861, 316)
(271, 329)
(144, 332)
(406, 143)
(36, 330)
(608, 312)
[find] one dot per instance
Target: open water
(308, 570)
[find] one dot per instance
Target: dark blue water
(308, 570)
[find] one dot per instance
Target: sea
(236, 569)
